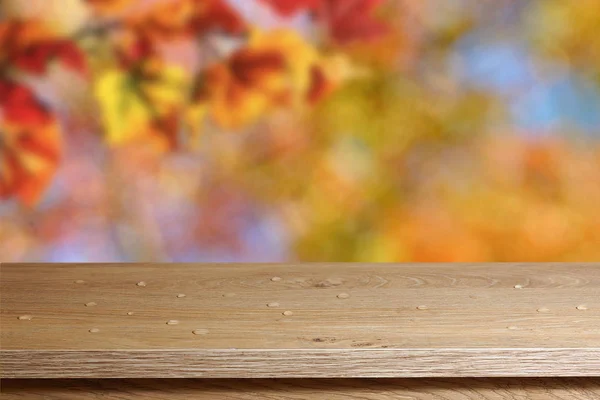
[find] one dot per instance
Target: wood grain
(307, 389)
(476, 323)
(302, 363)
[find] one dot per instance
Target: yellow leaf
(129, 106)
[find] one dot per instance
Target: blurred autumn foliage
(312, 130)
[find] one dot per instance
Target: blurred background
(307, 130)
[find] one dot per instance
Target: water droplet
(581, 307)
(25, 317)
(130, 313)
(287, 313)
(200, 331)
(422, 307)
(172, 322)
(512, 328)
(180, 295)
(543, 310)
(91, 304)
(343, 296)
(141, 283)
(275, 279)
(518, 286)
(273, 304)
(94, 330)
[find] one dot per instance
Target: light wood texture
(302, 363)
(476, 323)
(308, 389)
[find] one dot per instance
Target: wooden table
(456, 331)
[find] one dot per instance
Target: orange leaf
(30, 144)
(174, 19)
(243, 88)
(320, 86)
(110, 7)
(275, 69)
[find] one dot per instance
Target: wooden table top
(299, 320)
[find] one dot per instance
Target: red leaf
(72, 57)
(29, 46)
(32, 59)
(215, 14)
(20, 106)
(31, 146)
(319, 86)
(36, 58)
(133, 48)
(351, 20)
(344, 20)
(249, 67)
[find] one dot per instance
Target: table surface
(346, 320)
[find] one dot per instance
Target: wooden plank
(478, 320)
(302, 363)
(307, 389)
